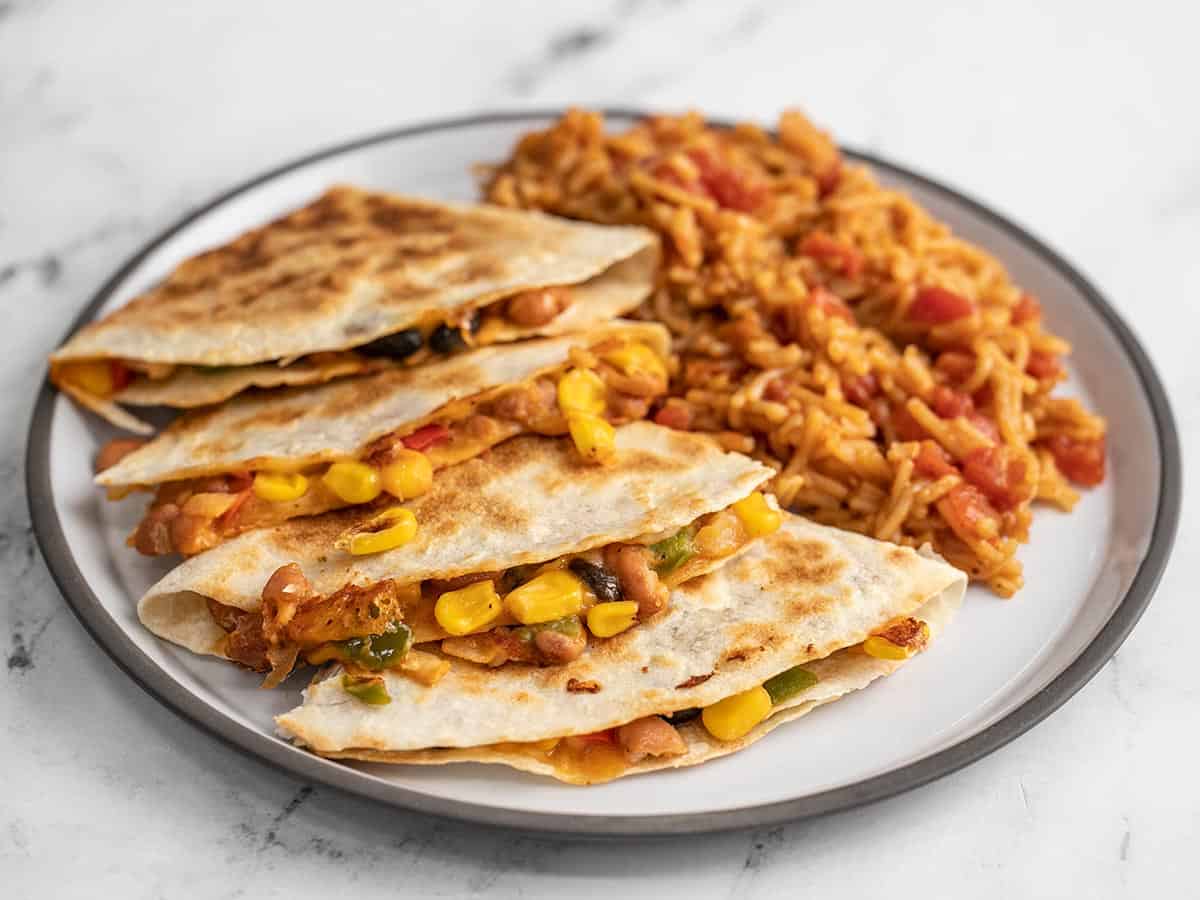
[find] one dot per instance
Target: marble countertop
(1078, 119)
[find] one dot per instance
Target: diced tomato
(830, 304)
(731, 189)
(1043, 365)
(984, 424)
(933, 461)
(121, 375)
(860, 390)
(955, 364)
(950, 404)
(998, 476)
(424, 438)
(907, 428)
(1083, 461)
(1027, 310)
(984, 396)
(676, 414)
(937, 306)
(833, 253)
(965, 510)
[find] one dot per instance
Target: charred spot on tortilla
(693, 681)
(577, 686)
(809, 562)
(750, 638)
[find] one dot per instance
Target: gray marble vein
(117, 117)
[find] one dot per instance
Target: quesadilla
(499, 562)
(801, 618)
(262, 459)
(353, 278)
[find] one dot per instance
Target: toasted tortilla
(792, 598)
(351, 267)
(305, 426)
(600, 300)
(839, 674)
(529, 500)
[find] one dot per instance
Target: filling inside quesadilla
(610, 753)
(536, 614)
(608, 383)
(125, 379)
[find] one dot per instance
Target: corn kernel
(734, 717)
(882, 648)
(552, 595)
(581, 391)
(901, 639)
(353, 482)
(595, 439)
(279, 487)
(408, 475)
(606, 619)
(390, 529)
(757, 515)
(94, 377)
(468, 609)
(637, 359)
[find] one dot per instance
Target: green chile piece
(370, 689)
(788, 684)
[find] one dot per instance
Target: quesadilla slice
(799, 619)
(351, 279)
(262, 459)
(502, 561)
(681, 739)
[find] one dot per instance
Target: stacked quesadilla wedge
(509, 555)
(355, 280)
(261, 459)
(801, 618)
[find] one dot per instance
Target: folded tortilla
(292, 429)
(806, 596)
(472, 401)
(350, 268)
(843, 672)
(525, 502)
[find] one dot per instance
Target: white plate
(1002, 667)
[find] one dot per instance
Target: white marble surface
(117, 117)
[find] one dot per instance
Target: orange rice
(893, 375)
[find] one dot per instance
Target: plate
(1002, 667)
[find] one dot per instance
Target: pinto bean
(153, 534)
(556, 648)
(115, 451)
(192, 534)
(286, 586)
(639, 582)
(651, 736)
(533, 308)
